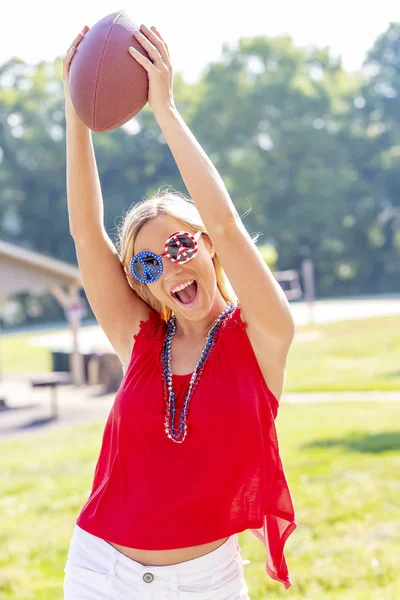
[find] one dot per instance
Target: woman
(189, 455)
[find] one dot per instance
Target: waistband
(102, 551)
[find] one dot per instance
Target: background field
(342, 462)
(348, 355)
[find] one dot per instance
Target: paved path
(375, 396)
(29, 410)
(329, 311)
(92, 338)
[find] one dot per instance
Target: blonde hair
(171, 203)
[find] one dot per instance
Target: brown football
(108, 87)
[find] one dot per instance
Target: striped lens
(181, 247)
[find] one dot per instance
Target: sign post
(74, 313)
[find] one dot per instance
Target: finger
(160, 41)
(143, 60)
(79, 37)
(155, 30)
(69, 53)
(154, 47)
(82, 34)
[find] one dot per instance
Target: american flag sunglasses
(180, 247)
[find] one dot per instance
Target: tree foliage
(313, 150)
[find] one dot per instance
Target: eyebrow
(147, 250)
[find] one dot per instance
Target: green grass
(18, 356)
(350, 355)
(342, 462)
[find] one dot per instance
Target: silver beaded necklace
(194, 380)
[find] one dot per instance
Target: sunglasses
(180, 247)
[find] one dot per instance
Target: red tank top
(227, 476)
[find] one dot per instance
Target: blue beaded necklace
(194, 380)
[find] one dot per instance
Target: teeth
(181, 286)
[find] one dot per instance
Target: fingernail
(132, 49)
(144, 26)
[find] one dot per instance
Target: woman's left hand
(159, 68)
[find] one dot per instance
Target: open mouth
(187, 295)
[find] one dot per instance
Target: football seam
(99, 69)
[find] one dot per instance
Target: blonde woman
(189, 455)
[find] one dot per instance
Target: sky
(196, 30)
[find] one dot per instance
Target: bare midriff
(160, 558)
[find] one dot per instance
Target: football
(107, 86)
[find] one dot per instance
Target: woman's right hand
(68, 58)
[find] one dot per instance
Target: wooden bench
(52, 381)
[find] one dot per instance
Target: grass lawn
(18, 356)
(342, 462)
(350, 355)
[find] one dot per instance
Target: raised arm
(263, 302)
(116, 306)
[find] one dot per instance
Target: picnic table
(99, 368)
(52, 381)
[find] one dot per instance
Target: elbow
(290, 324)
(71, 227)
(286, 328)
(76, 236)
(292, 330)
(73, 234)
(229, 225)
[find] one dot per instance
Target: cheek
(206, 269)
(157, 290)
(159, 293)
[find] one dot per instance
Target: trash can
(92, 363)
(60, 361)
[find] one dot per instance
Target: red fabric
(227, 476)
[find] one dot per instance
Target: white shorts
(95, 570)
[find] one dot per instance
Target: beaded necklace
(169, 393)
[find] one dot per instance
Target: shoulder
(234, 321)
(271, 354)
(149, 331)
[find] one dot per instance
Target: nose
(170, 269)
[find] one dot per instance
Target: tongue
(188, 294)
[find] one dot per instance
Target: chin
(198, 309)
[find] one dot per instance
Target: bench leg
(54, 404)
